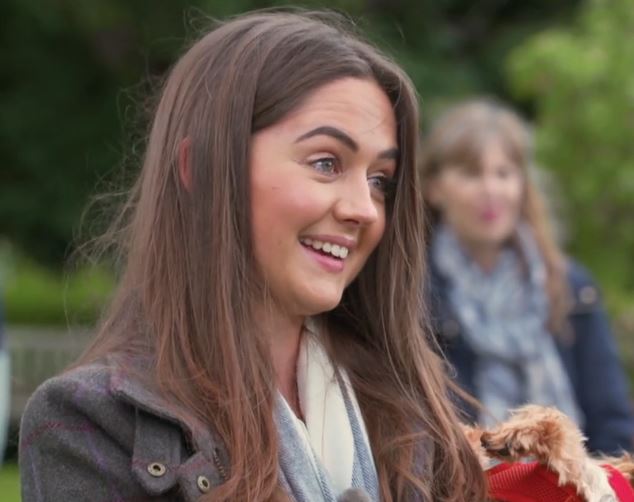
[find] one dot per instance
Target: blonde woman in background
(518, 320)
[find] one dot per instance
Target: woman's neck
(284, 333)
(485, 256)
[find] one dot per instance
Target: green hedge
(36, 295)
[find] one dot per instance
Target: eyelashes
(387, 186)
(326, 165)
(330, 165)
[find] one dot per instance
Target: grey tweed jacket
(95, 434)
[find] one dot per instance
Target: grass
(10, 483)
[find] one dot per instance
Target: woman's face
(481, 205)
(319, 179)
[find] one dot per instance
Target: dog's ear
(354, 495)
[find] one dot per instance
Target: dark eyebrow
(391, 154)
(341, 136)
(333, 132)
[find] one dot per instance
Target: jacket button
(203, 484)
(588, 295)
(156, 469)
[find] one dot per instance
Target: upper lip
(488, 210)
(340, 240)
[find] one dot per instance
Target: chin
(319, 305)
(322, 307)
(494, 237)
(502, 232)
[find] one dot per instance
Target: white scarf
(326, 432)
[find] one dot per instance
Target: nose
(355, 204)
(490, 184)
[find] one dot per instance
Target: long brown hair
(189, 280)
(459, 137)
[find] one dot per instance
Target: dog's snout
(489, 445)
(484, 441)
(504, 452)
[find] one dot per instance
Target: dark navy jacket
(590, 359)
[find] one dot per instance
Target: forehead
(479, 151)
(358, 106)
(497, 152)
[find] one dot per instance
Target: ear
(184, 165)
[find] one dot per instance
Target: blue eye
(386, 186)
(325, 165)
(506, 171)
(470, 173)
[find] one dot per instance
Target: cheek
(456, 192)
(516, 198)
(372, 237)
(379, 231)
(283, 208)
(460, 201)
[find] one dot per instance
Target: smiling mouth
(326, 248)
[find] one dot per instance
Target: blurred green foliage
(38, 295)
(76, 78)
(75, 74)
(581, 79)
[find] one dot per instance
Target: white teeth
(334, 249)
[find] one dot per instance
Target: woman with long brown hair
(518, 320)
(264, 342)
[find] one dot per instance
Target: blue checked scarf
(305, 477)
(334, 416)
(504, 315)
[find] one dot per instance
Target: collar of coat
(157, 417)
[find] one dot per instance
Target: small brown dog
(556, 442)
